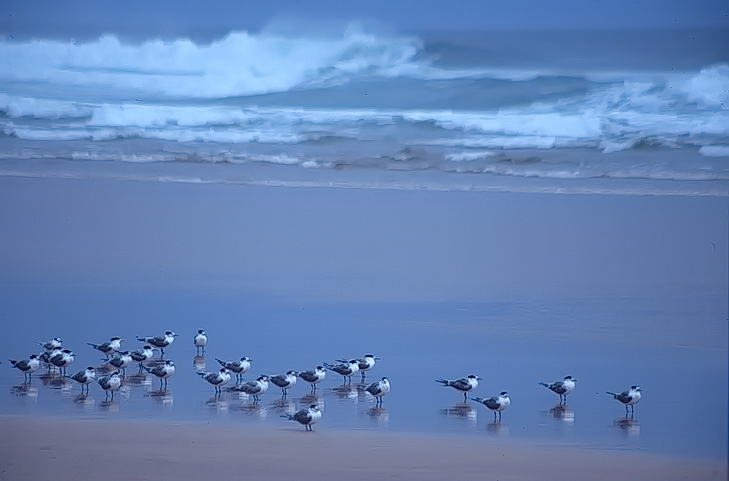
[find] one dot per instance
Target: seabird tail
(612, 394)
(13, 363)
(444, 382)
(544, 384)
(328, 366)
(141, 339)
(92, 344)
(477, 399)
(221, 362)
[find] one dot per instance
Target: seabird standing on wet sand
(313, 377)
(237, 367)
(464, 385)
(142, 355)
(62, 358)
(306, 417)
(85, 378)
(628, 398)
(108, 348)
(346, 369)
(379, 389)
(563, 388)
(121, 361)
(50, 345)
(496, 404)
(284, 381)
(162, 371)
(201, 340)
(217, 379)
(160, 342)
(364, 364)
(110, 383)
(27, 366)
(253, 388)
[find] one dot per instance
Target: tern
(110, 383)
(284, 381)
(496, 404)
(108, 348)
(62, 358)
(201, 340)
(313, 377)
(364, 364)
(27, 366)
(306, 417)
(121, 361)
(160, 342)
(253, 388)
(464, 385)
(379, 389)
(162, 371)
(217, 379)
(238, 367)
(50, 345)
(85, 378)
(628, 398)
(346, 369)
(562, 388)
(142, 355)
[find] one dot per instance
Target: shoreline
(88, 449)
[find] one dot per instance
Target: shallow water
(521, 293)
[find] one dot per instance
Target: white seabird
(562, 388)
(346, 369)
(313, 377)
(496, 404)
(121, 361)
(110, 383)
(284, 381)
(201, 340)
(238, 367)
(27, 366)
(50, 345)
(379, 389)
(628, 398)
(217, 379)
(62, 358)
(85, 378)
(306, 417)
(160, 342)
(162, 371)
(253, 388)
(364, 364)
(142, 355)
(464, 385)
(108, 348)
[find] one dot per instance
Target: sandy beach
(87, 450)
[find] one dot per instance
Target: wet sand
(33, 449)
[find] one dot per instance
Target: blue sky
(167, 17)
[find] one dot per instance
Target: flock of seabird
(56, 357)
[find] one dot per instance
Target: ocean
(368, 103)
(310, 195)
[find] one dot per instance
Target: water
(527, 104)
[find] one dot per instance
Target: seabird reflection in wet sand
(461, 410)
(562, 412)
(199, 363)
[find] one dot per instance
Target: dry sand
(42, 449)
